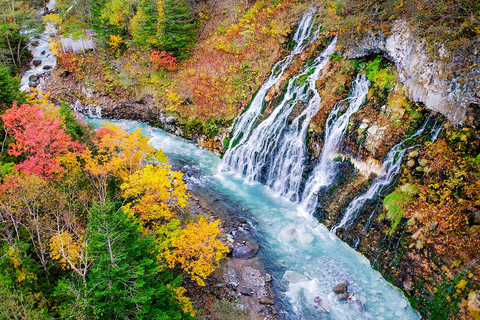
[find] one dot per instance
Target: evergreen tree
(147, 24)
(179, 32)
(8, 89)
(124, 281)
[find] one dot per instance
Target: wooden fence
(77, 46)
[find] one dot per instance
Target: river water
(305, 259)
(41, 51)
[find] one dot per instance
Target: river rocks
(247, 291)
(266, 300)
(246, 251)
(34, 43)
(43, 52)
(33, 78)
(33, 84)
(340, 288)
(36, 63)
(47, 67)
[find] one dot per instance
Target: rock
(35, 43)
(246, 251)
(65, 74)
(247, 291)
(171, 120)
(43, 52)
(340, 288)
(268, 277)
(408, 286)
(322, 306)
(474, 217)
(266, 300)
(342, 296)
(47, 67)
(36, 63)
(413, 154)
(33, 84)
(33, 78)
(410, 163)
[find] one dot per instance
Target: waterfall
(275, 151)
(247, 120)
(335, 129)
(392, 162)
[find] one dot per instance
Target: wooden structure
(78, 46)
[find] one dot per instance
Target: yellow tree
(198, 249)
(117, 154)
(155, 191)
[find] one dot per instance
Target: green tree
(124, 281)
(148, 24)
(179, 32)
(8, 89)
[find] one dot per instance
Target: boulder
(47, 67)
(247, 291)
(33, 78)
(36, 63)
(33, 84)
(246, 251)
(266, 300)
(43, 52)
(340, 288)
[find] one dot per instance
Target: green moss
(394, 204)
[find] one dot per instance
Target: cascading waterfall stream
(275, 151)
(247, 120)
(336, 127)
(41, 51)
(392, 163)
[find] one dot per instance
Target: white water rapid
(40, 49)
(392, 163)
(247, 121)
(336, 127)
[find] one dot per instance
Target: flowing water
(392, 163)
(247, 121)
(335, 129)
(306, 260)
(40, 52)
(275, 150)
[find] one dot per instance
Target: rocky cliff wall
(436, 82)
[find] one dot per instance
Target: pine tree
(124, 281)
(8, 88)
(179, 32)
(148, 24)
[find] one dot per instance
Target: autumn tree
(197, 249)
(125, 280)
(39, 139)
(116, 155)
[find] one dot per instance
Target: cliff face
(432, 81)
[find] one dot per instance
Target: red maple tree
(39, 137)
